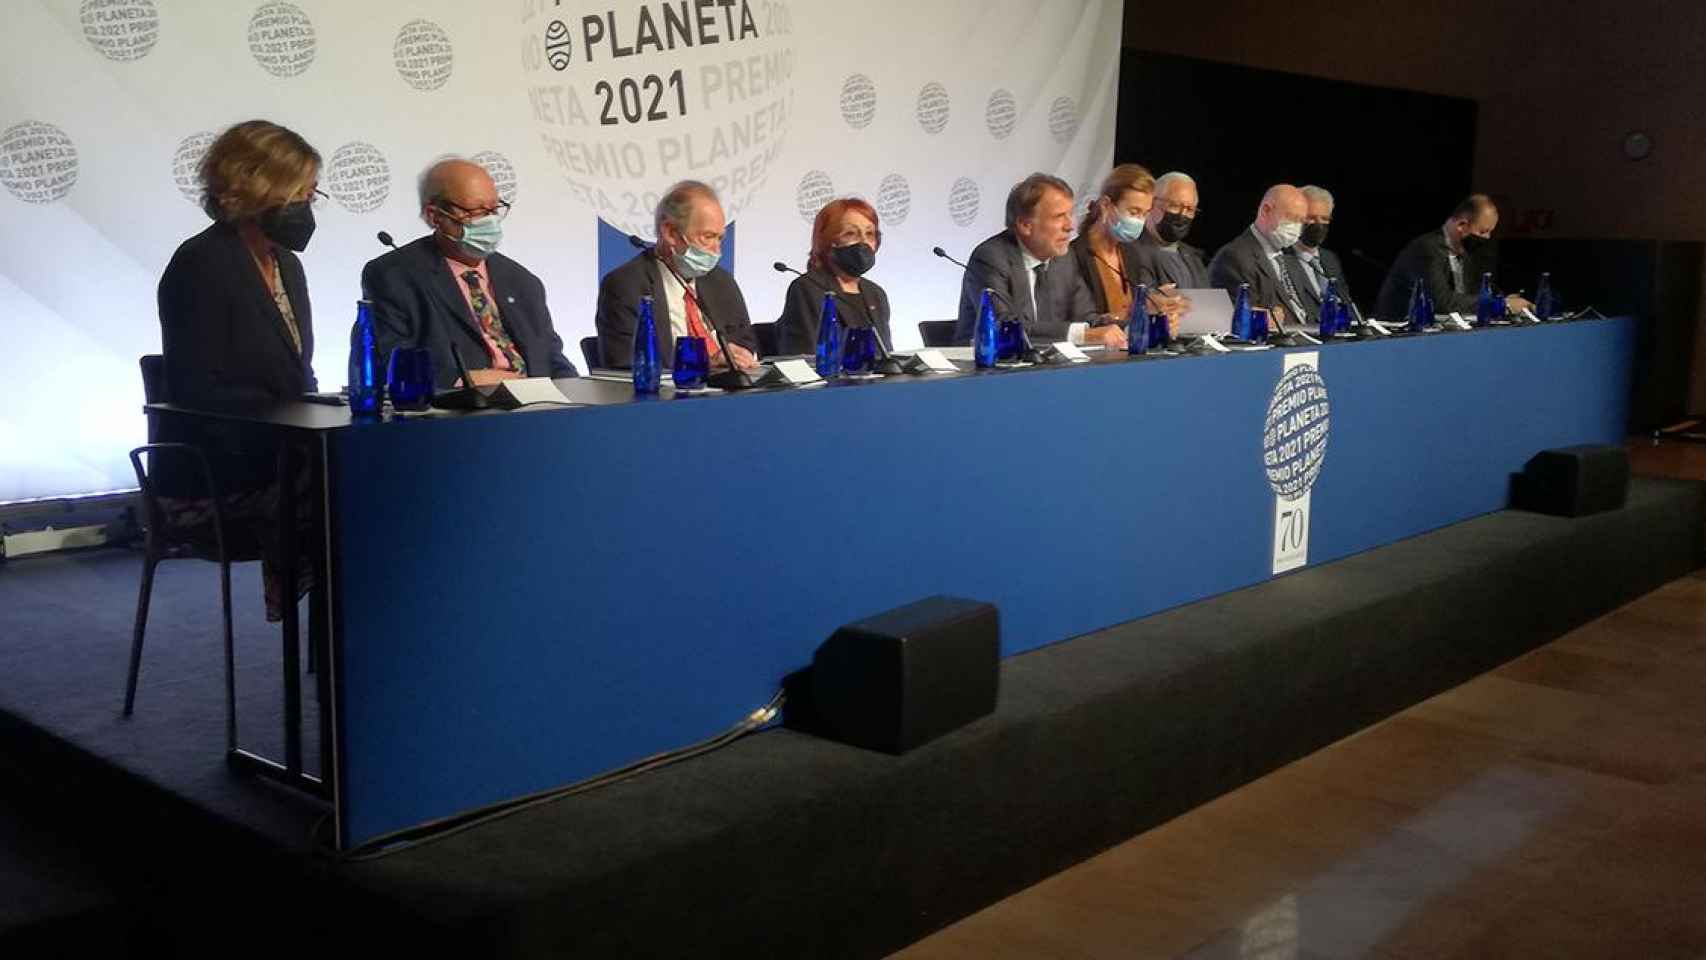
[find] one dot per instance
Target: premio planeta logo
(1294, 438)
(122, 30)
(281, 39)
(38, 162)
(894, 200)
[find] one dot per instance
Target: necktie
(1319, 272)
(1293, 301)
(499, 346)
(1039, 302)
(696, 324)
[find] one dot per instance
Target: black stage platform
(782, 842)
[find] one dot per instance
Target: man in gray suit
(1312, 264)
(1027, 267)
(1257, 256)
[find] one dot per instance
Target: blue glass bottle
(1243, 325)
(1137, 321)
(828, 358)
(1330, 309)
(648, 366)
(1545, 301)
(1418, 315)
(1486, 308)
(984, 345)
(365, 391)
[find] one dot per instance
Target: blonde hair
(1126, 176)
(254, 167)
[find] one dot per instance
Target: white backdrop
(931, 109)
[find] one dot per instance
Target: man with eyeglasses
(1169, 259)
(453, 287)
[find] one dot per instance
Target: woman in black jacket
(236, 327)
(845, 239)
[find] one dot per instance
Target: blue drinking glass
(692, 363)
(1010, 342)
(408, 377)
(1545, 301)
(1160, 334)
(1242, 318)
(1258, 325)
(859, 355)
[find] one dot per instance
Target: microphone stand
(1031, 353)
(734, 378)
(888, 364)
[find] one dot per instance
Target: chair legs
(149, 562)
(230, 657)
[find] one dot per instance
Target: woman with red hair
(845, 238)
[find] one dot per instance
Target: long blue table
(524, 600)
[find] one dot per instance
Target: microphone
(1365, 258)
(888, 362)
(385, 238)
(470, 397)
(734, 378)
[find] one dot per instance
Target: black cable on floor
(434, 830)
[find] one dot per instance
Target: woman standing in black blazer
(845, 239)
(235, 323)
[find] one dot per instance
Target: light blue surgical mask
(694, 262)
(1126, 229)
(480, 238)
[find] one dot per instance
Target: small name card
(1070, 351)
(533, 390)
(936, 361)
(1378, 327)
(798, 372)
(1215, 345)
(1458, 321)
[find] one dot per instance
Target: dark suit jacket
(798, 325)
(1132, 260)
(1244, 260)
(226, 347)
(417, 303)
(1157, 265)
(997, 263)
(1426, 257)
(1300, 272)
(619, 296)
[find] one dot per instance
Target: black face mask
(855, 259)
(1174, 227)
(1474, 243)
(289, 226)
(1314, 234)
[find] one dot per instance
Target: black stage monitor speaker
(903, 678)
(1574, 481)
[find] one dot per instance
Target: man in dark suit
(1027, 268)
(1258, 255)
(1167, 258)
(453, 287)
(690, 293)
(1449, 261)
(1310, 263)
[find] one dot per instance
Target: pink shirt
(457, 269)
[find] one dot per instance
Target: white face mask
(1287, 234)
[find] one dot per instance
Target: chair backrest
(937, 333)
(769, 339)
(153, 388)
(590, 352)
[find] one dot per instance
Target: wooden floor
(1555, 807)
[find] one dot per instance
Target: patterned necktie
(696, 323)
(499, 346)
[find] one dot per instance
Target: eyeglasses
(1180, 208)
(501, 210)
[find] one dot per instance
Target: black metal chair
(166, 541)
(937, 333)
(590, 353)
(769, 339)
